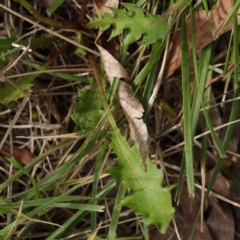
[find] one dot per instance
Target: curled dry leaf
(207, 28)
(220, 220)
(221, 184)
(131, 106)
(190, 215)
(105, 4)
(21, 155)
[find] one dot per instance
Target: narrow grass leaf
(35, 161)
(155, 55)
(188, 136)
(42, 208)
(234, 112)
(58, 173)
(203, 157)
(200, 79)
(53, 7)
(39, 202)
(149, 85)
(95, 183)
(77, 217)
(20, 167)
(69, 77)
(116, 211)
(50, 203)
(235, 105)
(65, 76)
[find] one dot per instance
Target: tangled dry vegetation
(38, 135)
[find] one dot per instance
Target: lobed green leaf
(10, 93)
(147, 197)
(135, 21)
(87, 111)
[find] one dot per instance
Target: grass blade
(188, 136)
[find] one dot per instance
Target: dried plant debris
(207, 28)
(131, 106)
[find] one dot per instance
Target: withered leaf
(206, 30)
(131, 106)
(22, 155)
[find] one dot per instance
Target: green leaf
(187, 117)
(52, 203)
(53, 7)
(148, 197)
(10, 93)
(69, 77)
(6, 44)
(88, 112)
(79, 40)
(65, 76)
(79, 215)
(135, 21)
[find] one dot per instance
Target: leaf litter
(206, 30)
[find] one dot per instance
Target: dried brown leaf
(221, 220)
(131, 106)
(24, 156)
(221, 184)
(204, 29)
(104, 5)
(190, 215)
